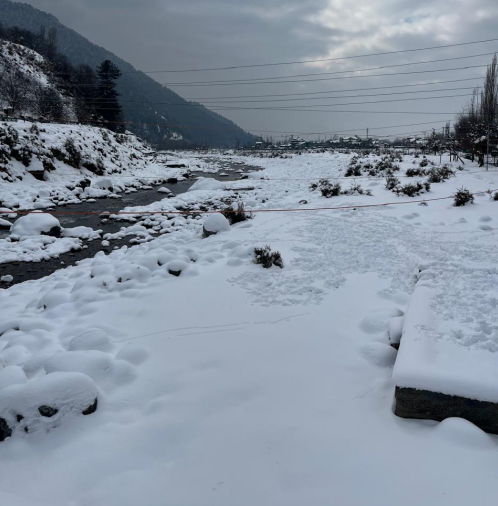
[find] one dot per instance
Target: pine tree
(107, 103)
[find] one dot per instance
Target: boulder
(214, 224)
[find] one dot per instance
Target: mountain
(164, 126)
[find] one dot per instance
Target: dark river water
(24, 271)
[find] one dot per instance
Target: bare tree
(489, 94)
(47, 103)
(15, 90)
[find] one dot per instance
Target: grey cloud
(176, 34)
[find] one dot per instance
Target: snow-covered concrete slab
(447, 363)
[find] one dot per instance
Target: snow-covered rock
(176, 267)
(215, 223)
(104, 183)
(4, 224)
(204, 183)
(81, 232)
(164, 190)
(44, 403)
(36, 223)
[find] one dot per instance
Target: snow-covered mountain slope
(35, 87)
(29, 62)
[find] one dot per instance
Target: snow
(36, 248)
(458, 356)
(260, 386)
(36, 223)
(205, 184)
(68, 393)
(81, 232)
(216, 223)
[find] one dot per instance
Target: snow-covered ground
(230, 384)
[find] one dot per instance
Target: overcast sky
(190, 34)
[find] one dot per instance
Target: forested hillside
(144, 100)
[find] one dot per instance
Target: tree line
(476, 129)
(74, 92)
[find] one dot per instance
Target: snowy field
(233, 385)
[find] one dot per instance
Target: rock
(214, 224)
(4, 224)
(47, 411)
(207, 183)
(176, 267)
(7, 279)
(303, 201)
(172, 180)
(30, 407)
(91, 409)
(5, 430)
(36, 223)
(84, 183)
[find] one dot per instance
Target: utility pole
(367, 134)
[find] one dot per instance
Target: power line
(223, 107)
(333, 73)
(336, 91)
(97, 101)
(207, 104)
(273, 64)
(226, 83)
(303, 107)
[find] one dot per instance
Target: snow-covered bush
(462, 196)
(354, 168)
(356, 189)
(73, 157)
(413, 189)
(415, 172)
(327, 188)
(236, 215)
(439, 174)
(392, 182)
(266, 257)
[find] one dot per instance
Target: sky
(197, 34)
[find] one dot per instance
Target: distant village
(347, 142)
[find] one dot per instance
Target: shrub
(236, 215)
(415, 172)
(356, 189)
(462, 196)
(413, 189)
(266, 257)
(439, 174)
(424, 162)
(73, 154)
(392, 182)
(353, 170)
(327, 188)
(495, 197)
